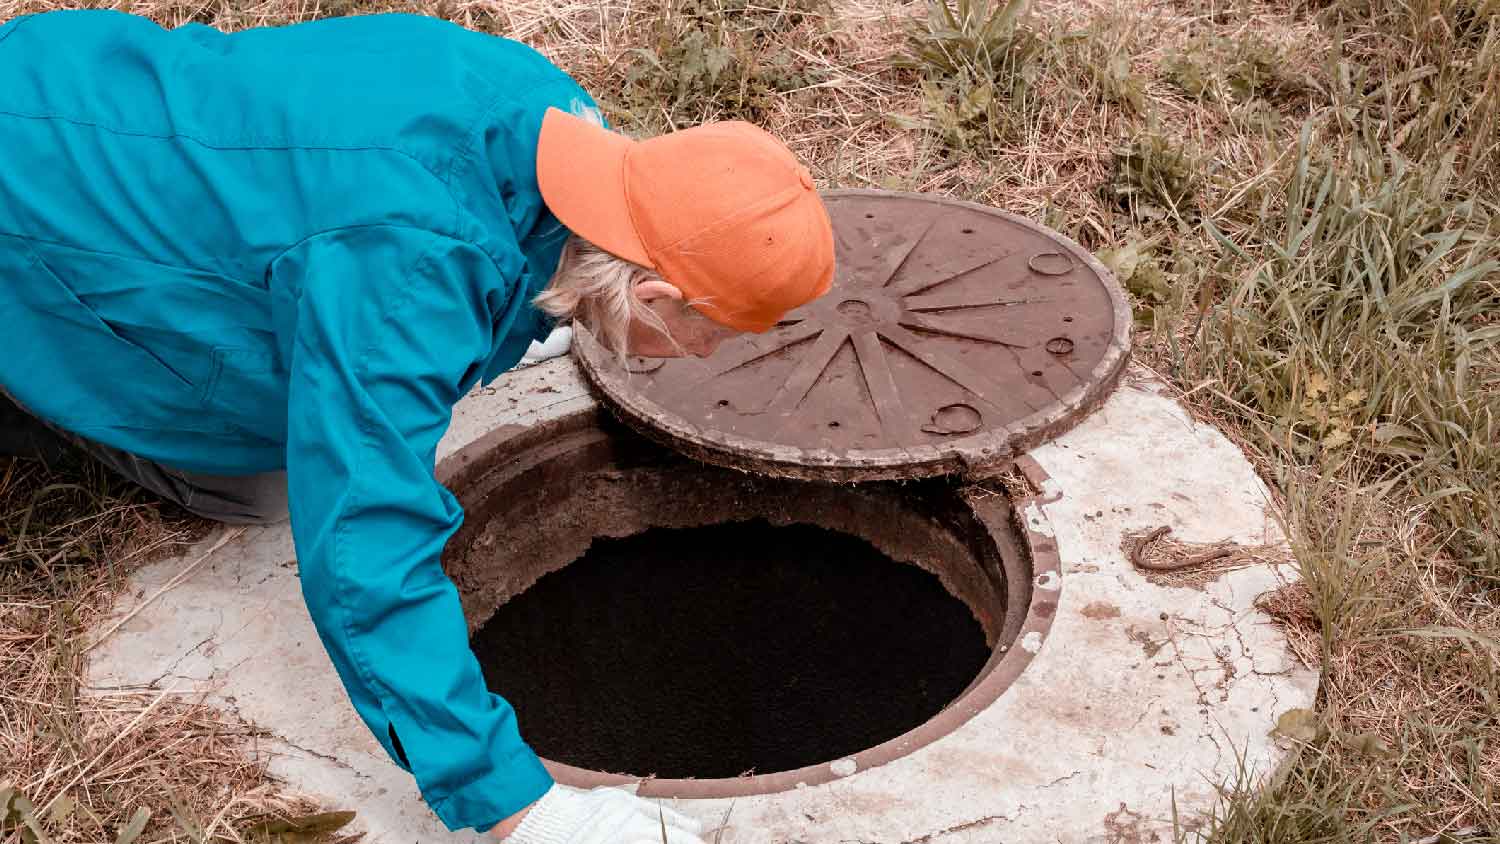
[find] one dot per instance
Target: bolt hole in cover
(956, 336)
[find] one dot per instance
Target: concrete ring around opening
(536, 499)
(1146, 694)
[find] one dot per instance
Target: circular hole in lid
(1050, 263)
(869, 216)
(957, 418)
(723, 402)
(967, 231)
(1067, 319)
(641, 366)
(833, 424)
(1037, 373)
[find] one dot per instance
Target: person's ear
(653, 289)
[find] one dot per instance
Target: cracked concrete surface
(1141, 693)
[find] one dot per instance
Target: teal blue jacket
(293, 247)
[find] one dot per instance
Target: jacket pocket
(45, 270)
(247, 388)
(73, 368)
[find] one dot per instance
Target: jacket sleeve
(392, 324)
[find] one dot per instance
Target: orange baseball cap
(723, 211)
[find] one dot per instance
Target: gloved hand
(556, 345)
(602, 816)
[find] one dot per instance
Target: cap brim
(580, 168)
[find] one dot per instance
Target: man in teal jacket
(225, 256)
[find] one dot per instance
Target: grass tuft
(1153, 179)
(1429, 72)
(715, 59)
(1359, 318)
(979, 62)
(1233, 69)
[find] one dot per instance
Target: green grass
(1233, 69)
(706, 60)
(1429, 70)
(1357, 318)
(978, 63)
(1153, 178)
(1342, 324)
(1310, 229)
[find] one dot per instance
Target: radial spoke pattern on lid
(955, 337)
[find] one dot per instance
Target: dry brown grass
(1409, 657)
(76, 764)
(1268, 343)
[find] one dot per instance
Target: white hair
(595, 287)
(598, 289)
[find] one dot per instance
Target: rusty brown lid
(956, 336)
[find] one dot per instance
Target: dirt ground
(1300, 198)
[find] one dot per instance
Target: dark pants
(246, 500)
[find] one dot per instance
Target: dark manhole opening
(726, 649)
(653, 616)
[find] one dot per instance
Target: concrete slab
(1140, 693)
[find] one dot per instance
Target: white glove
(602, 816)
(556, 345)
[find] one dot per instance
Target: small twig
(1138, 558)
(176, 581)
(219, 818)
(1445, 837)
(719, 839)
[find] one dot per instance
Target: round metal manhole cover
(955, 337)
